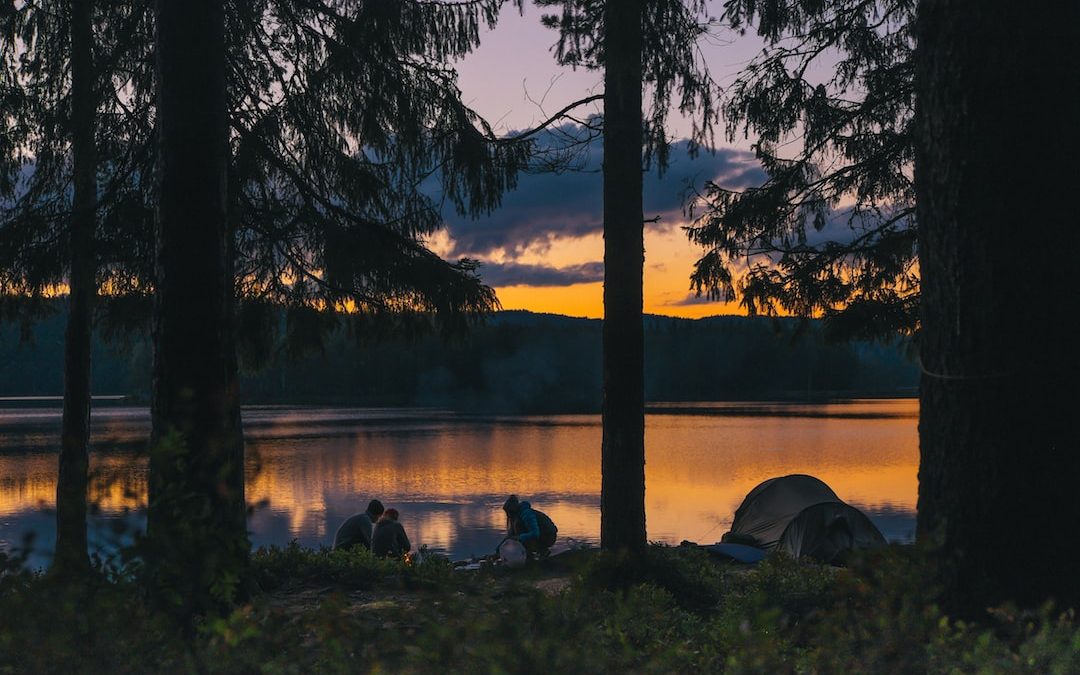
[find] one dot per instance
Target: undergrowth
(672, 610)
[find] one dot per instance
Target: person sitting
(531, 527)
(389, 539)
(356, 531)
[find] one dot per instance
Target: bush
(686, 572)
(354, 568)
(276, 567)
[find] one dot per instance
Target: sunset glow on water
(310, 468)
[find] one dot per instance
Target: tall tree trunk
(71, 544)
(622, 495)
(235, 427)
(996, 152)
(197, 541)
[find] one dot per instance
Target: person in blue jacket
(532, 527)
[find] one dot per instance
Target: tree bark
(71, 485)
(995, 160)
(198, 542)
(622, 496)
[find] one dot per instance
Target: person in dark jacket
(356, 531)
(530, 526)
(389, 539)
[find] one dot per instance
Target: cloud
(693, 299)
(547, 207)
(519, 274)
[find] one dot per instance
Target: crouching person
(356, 531)
(389, 539)
(533, 528)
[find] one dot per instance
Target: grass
(674, 610)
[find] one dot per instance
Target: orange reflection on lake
(310, 468)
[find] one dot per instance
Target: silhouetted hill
(515, 362)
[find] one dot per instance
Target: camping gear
(564, 546)
(512, 553)
(737, 552)
(802, 516)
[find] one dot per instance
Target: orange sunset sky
(669, 259)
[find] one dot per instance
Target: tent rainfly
(802, 516)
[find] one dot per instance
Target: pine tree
(196, 545)
(71, 484)
(622, 492)
(53, 93)
(639, 45)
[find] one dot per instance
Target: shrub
(275, 567)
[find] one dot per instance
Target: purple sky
(516, 59)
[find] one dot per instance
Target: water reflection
(310, 468)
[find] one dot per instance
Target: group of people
(378, 530)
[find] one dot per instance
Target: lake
(309, 468)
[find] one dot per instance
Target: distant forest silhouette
(516, 362)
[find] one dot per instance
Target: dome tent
(801, 515)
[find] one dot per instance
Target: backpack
(547, 528)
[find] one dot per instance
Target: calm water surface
(310, 468)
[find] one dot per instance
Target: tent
(802, 516)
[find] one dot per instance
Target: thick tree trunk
(71, 544)
(995, 165)
(197, 540)
(622, 497)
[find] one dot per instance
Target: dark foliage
(831, 232)
(344, 117)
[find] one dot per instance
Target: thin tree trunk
(235, 429)
(71, 486)
(622, 497)
(196, 539)
(996, 149)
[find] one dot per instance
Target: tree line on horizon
(288, 140)
(513, 363)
